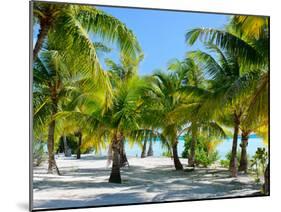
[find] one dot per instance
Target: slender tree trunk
(266, 181)
(243, 166)
(177, 162)
(43, 32)
(67, 151)
(79, 145)
(233, 161)
(123, 156)
(143, 152)
(52, 166)
(109, 155)
(115, 176)
(150, 149)
(191, 158)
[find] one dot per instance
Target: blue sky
(162, 33)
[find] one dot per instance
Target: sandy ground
(84, 182)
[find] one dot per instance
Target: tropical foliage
(206, 153)
(224, 86)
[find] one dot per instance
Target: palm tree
(120, 74)
(167, 98)
(124, 71)
(150, 149)
(123, 118)
(85, 97)
(191, 76)
(247, 127)
(248, 44)
(72, 24)
(175, 104)
(56, 80)
(143, 152)
(49, 87)
(229, 84)
(143, 135)
(251, 27)
(113, 124)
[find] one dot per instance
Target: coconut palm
(120, 74)
(247, 127)
(230, 83)
(251, 51)
(174, 107)
(167, 98)
(124, 71)
(58, 74)
(124, 117)
(49, 87)
(252, 27)
(69, 28)
(72, 24)
(192, 78)
(116, 122)
(87, 95)
(150, 149)
(247, 38)
(200, 122)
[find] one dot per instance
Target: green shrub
(258, 162)
(167, 154)
(224, 163)
(203, 156)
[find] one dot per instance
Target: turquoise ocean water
(223, 148)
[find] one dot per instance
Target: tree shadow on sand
(141, 184)
(99, 200)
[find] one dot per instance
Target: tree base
(54, 170)
(178, 165)
(191, 164)
(123, 160)
(115, 179)
(234, 172)
(243, 169)
(178, 168)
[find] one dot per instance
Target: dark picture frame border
(31, 106)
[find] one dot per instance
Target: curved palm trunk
(150, 149)
(233, 161)
(243, 166)
(177, 162)
(52, 166)
(123, 156)
(109, 155)
(191, 158)
(43, 32)
(79, 145)
(115, 176)
(143, 152)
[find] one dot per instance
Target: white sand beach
(84, 182)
